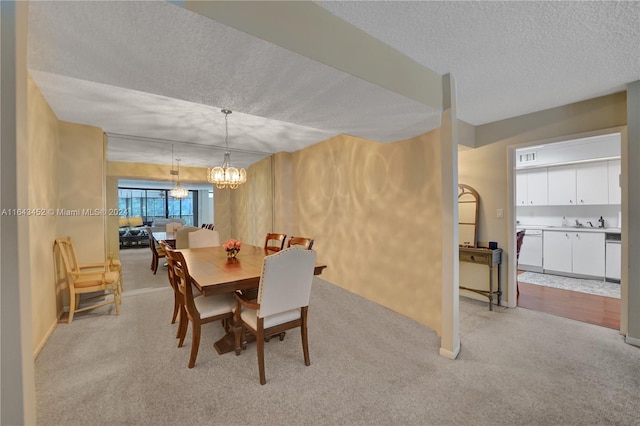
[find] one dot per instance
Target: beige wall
(374, 211)
(113, 224)
(66, 172)
(43, 194)
(252, 205)
(81, 187)
(488, 169)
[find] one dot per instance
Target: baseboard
(449, 354)
(632, 341)
(530, 268)
(143, 291)
(46, 336)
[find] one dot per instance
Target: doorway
(147, 206)
(567, 200)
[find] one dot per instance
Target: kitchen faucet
(578, 224)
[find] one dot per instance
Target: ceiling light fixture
(226, 176)
(178, 191)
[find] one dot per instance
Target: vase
(231, 254)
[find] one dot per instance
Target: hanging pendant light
(226, 176)
(178, 191)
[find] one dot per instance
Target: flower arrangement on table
(232, 247)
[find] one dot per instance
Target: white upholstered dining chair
(282, 303)
(204, 238)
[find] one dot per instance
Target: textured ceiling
(152, 74)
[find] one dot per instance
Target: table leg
(499, 285)
(491, 288)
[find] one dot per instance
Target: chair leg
(72, 305)
(175, 308)
(305, 337)
(260, 350)
(183, 324)
(117, 299)
(238, 332)
(195, 343)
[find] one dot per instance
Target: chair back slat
(274, 242)
(69, 256)
(286, 281)
(307, 243)
(182, 279)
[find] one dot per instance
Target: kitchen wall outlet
(500, 213)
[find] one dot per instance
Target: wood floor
(599, 310)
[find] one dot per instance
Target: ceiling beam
(311, 31)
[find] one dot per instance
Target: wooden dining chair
(88, 278)
(178, 300)
(157, 252)
(274, 242)
(307, 243)
(519, 240)
(196, 310)
(282, 303)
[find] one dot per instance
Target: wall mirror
(468, 203)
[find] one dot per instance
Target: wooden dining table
(212, 272)
(168, 237)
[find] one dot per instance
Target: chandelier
(226, 176)
(178, 191)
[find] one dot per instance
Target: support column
(630, 214)
(450, 340)
(16, 373)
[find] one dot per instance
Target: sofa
(132, 231)
(160, 225)
(130, 222)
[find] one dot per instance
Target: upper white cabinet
(531, 187)
(562, 185)
(582, 184)
(614, 170)
(592, 185)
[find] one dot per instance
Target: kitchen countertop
(569, 228)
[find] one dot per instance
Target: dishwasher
(613, 257)
(530, 258)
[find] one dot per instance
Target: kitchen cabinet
(613, 181)
(531, 187)
(592, 183)
(562, 185)
(574, 252)
(556, 252)
(579, 184)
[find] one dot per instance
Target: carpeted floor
(369, 366)
(597, 287)
(136, 271)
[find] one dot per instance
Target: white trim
(632, 341)
(451, 355)
(140, 291)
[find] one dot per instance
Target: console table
(489, 257)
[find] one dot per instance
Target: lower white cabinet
(575, 252)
